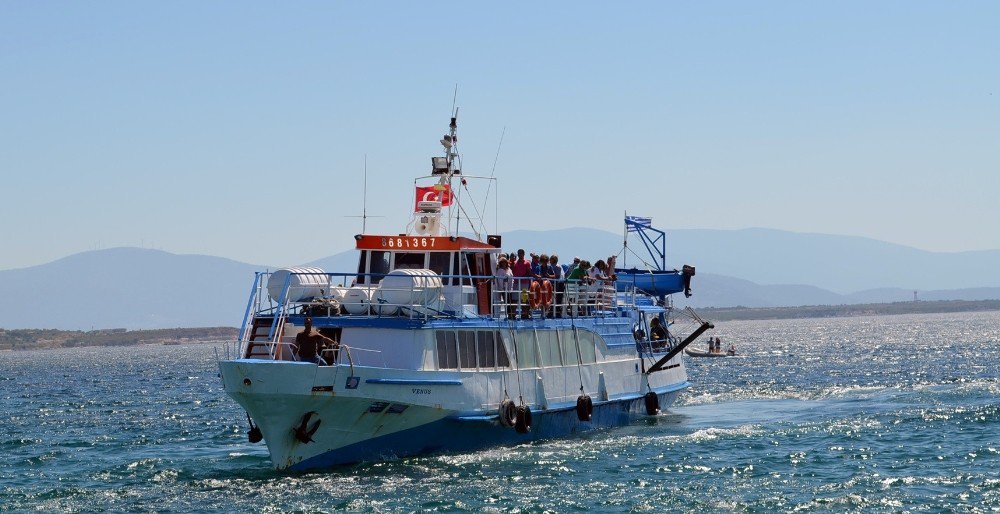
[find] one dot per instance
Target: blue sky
(240, 129)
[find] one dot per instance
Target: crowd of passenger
(542, 283)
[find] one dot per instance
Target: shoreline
(46, 339)
(851, 310)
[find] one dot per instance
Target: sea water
(874, 414)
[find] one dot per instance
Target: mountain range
(141, 288)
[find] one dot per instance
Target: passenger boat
(425, 353)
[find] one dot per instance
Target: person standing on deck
(309, 345)
(505, 286)
(558, 275)
(569, 269)
(522, 272)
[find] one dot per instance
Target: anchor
(304, 432)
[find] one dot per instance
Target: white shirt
(504, 279)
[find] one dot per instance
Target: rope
(579, 358)
(517, 363)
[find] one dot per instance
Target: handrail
(547, 297)
(573, 298)
(254, 291)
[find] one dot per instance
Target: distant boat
(701, 353)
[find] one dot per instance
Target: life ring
(508, 413)
(540, 294)
(523, 423)
(584, 408)
(652, 403)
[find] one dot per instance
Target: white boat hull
(388, 415)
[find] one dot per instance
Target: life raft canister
(523, 423)
(652, 403)
(508, 413)
(584, 407)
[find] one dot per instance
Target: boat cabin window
(440, 263)
(362, 268)
(467, 349)
(524, 344)
(548, 347)
(379, 265)
(487, 350)
(588, 351)
(470, 349)
(447, 350)
(479, 264)
(567, 344)
(410, 260)
(545, 348)
(465, 260)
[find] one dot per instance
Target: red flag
(435, 193)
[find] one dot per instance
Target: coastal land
(36, 339)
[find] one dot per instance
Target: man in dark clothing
(657, 333)
(309, 345)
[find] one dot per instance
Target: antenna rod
(364, 201)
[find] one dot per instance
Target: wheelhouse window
(379, 266)
(410, 260)
(362, 265)
(440, 263)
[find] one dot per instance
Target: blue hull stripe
(414, 381)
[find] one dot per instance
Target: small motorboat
(701, 353)
(704, 353)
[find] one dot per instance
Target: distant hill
(721, 291)
(128, 288)
(144, 289)
(843, 264)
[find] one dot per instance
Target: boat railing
(556, 298)
(439, 299)
(422, 299)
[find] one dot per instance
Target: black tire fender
(523, 423)
(508, 413)
(652, 403)
(584, 408)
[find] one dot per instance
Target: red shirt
(521, 268)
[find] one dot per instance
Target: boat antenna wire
(465, 185)
(493, 172)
